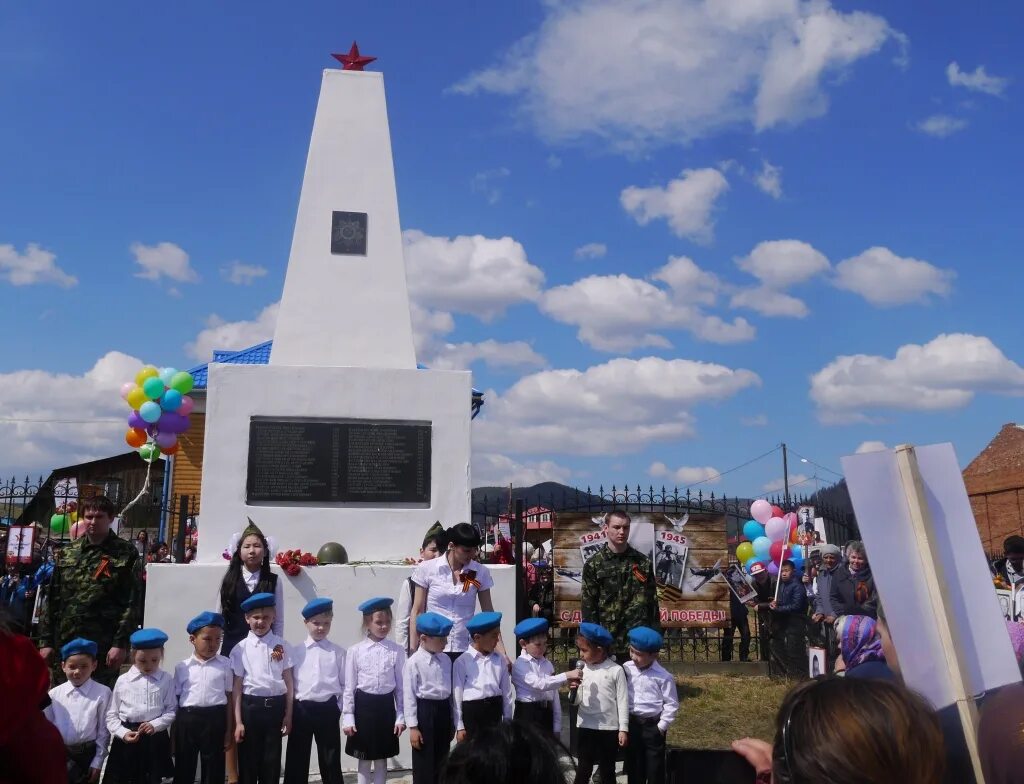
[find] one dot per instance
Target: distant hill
(494, 500)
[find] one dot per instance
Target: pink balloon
(79, 528)
(187, 404)
(761, 511)
(126, 387)
(773, 569)
(776, 529)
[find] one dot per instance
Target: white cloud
(941, 125)
(871, 446)
(706, 65)
(459, 356)
(592, 250)
(163, 260)
(686, 203)
(488, 183)
(233, 335)
(685, 475)
(53, 419)
(977, 80)
(783, 263)
(757, 420)
(769, 302)
(33, 266)
(942, 374)
(242, 274)
(495, 470)
(476, 275)
(620, 313)
(778, 485)
(769, 180)
(553, 161)
(885, 279)
(616, 408)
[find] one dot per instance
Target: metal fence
(681, 645)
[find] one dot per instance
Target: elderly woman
(451, 585)
(860, 646)
(853, 589)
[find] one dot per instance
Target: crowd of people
(114, 707)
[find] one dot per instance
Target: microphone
(573, 689)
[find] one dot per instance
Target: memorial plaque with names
(322, 462)
(348, 233)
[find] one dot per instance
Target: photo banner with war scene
(688, 553)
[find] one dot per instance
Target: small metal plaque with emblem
(348, 233)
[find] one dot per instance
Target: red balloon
(777, 554)
(777, 511)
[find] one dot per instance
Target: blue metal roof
(260, 355)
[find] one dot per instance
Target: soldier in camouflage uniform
(95, 593)
(619, 590)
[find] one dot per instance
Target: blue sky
(682, 232)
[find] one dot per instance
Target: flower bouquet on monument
(292, 561)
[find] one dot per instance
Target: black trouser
(79, 761)
(596, 747)
(727, 639)
(259, 753)
(478, 715)
(539, 714)
(318, 720)
(434, 721)
(645, 754)
(199, 739)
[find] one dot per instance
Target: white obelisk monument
(340, 438)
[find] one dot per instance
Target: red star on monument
(353, 61)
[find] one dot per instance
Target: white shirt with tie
(455, 601)
(535, 681)
(652, 693)
(80, 715)
(374, 667)
(138, 697)
(203, 684)
(427, 676)
(254, 662)
(319, 670)
(478, 676)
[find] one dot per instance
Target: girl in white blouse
(451, 585)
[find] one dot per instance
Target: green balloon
(59, 524)
(153, 387)
(149, 452)
(182, 382)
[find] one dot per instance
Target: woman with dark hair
(512, 752)
(849, 732)
(451, 584)
(433, 546)
(248, 573)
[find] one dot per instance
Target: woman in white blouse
(451, 585)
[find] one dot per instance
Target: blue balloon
(762, 547)
(171, 400)
(753, 530)
(750, 562)
(150, 411)
(166, 374)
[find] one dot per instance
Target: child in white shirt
(480, 680)
(603, 700)
(534, 677)
(427, 680)
(652, 707)
(78, 709)
(141, 711)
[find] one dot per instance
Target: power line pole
(785, 474)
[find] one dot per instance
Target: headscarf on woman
(859, 640)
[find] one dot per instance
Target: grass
(714, 710)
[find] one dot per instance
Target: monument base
(176, 593)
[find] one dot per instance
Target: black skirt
(539, 714)
(147, 761)
(375, 727)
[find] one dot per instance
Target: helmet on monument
(332, 553)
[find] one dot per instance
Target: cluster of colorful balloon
(160, 408)
(65, 520)
(770, 538)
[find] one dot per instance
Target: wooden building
(995, 486)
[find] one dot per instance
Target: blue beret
(374, 604)
(483, 622)
(433, 624)
(530, 628)
(203, 620)
(317, 606)
(596, 633)
(148, 638)
(258, 600)
(77, 645)
(645, 639)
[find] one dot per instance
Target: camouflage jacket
(619, 593)
(95, 592)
